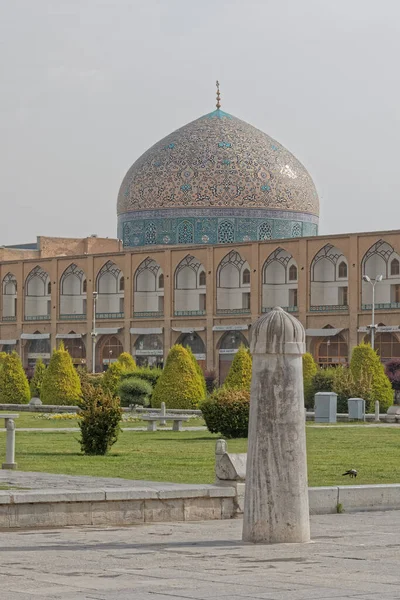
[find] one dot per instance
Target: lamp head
(95, 294)
(378, 278)
(366, 278)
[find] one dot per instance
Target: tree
(100, 423)
(226, 411)
(112, 377)
(37, 379)
(309, 370)
(365, 361)
(239, 375)
(179, 385)
(14, 386)
(198, 369)
(127, 361)
(134, 390)
(61, 383)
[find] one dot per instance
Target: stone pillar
(10, 445)
(276, 498)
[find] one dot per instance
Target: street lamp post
(94, 333)
(378, 279)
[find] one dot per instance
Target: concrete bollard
(10, 445)
(162, 414)
(376, 411)
(276, 498)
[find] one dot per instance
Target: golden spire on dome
(218, 96)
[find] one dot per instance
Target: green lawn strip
(188, 457)
(27, 420)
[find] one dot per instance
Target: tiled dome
(216, 180)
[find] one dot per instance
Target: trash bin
(325, 407)
(356, 409)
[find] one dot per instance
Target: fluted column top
(277, 332)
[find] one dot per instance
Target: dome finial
(218, 96)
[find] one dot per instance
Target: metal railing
(233, 311)
(110, 315)
(382, 306)
(148, 314)
(189, 313)
(37, 317)
(289, 309)
(9, 318)
(73, 317)
(329, 308)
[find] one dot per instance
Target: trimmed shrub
(112, 377)
(14, 386)
(127, 361)
(211, 381)
(61, 383)
(239, 376)
(36, 382)
(226, 412)
(198, 369)
(134, 391)
(365, 361)
(100, 423)
(146, 373)
(2, 357)
(86, 378)
(179, 385)
(310, 368)
(347, 387)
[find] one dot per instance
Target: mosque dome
(216, 180)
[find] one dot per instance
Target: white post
(162, 414)
(94, 333)
(376, 411)
(10, 445)
(276, 498)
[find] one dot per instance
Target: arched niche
(227, 348)
(233, 284)
(35, 349)
(148, 350)
(332, 350)
(280, 276)
(197, 346)
(110, 292)
(387, 345)
(381, 259)
(75, 345)
(190, 288)
(9, 290)
(73, 293)
(37, 295)
(329, 280)
(148, 294)
(109, 347)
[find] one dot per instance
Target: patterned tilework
(212, 226)
(216, 162)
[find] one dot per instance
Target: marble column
(276, 498)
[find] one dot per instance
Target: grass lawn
(188, 457)
(36, 420)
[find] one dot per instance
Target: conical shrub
(239, 375)
(365, 361)
(37, 379)
(127, 361)
(14, 386)
(112, 377)
(198, 369)
(309, 370)
(61, 383)
(179, 385)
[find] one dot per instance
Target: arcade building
(217, 224)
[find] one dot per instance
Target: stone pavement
(353, 556)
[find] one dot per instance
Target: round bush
(226, 412)
(134, 391)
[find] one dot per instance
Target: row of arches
(328, 285)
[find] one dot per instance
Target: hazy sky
(88, 85)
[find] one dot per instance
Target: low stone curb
(169, 503)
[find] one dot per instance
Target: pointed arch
(279, 276)
(381, 259)
(73, 293)
(233, 296)
(9, 291)
(148, 293)
(189, 299)
(37, 296)
(329, 280)
(185, 234)
(110, 296)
